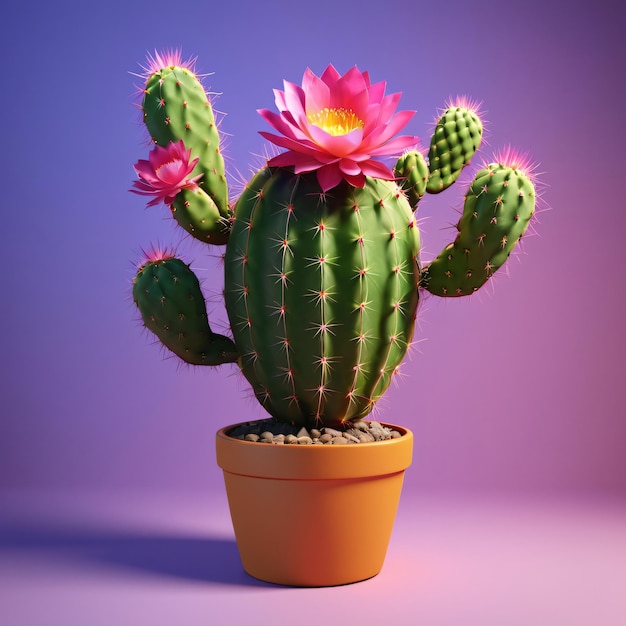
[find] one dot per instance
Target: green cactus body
(412, 173)
(172, 306)
(498, 208)
(457, 136)
(175, 106)
(321, 293)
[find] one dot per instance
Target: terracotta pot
(313, 516)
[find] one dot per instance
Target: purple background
(519, 389)
(112, 508)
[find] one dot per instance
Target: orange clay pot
(313, 516)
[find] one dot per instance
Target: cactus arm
(457, 136)
(197, 213)
(411, 172)
(168, 296)
(498, 208)
(175, 107)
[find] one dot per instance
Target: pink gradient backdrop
(518, 389)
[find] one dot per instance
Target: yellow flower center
(336, 121)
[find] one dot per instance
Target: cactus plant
(322, 268)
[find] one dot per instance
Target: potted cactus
(322, 283)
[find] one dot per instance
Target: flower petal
(350, 93)
(303, 168)
(380, 113)
(317, 92)
(376, 169)
(279, 100)
(388, 106)
(349, 167)
(282, 125)
(395, 146)
(337, 145)
(330, 75)
(329, 176)
(377, 92)
(295, 103)
(356, 181)
(301, 162)
(385, 132)
(306, 147)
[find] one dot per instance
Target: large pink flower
(165, 173)
(335, 124)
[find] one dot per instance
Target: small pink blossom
(335, 125)
(165, 173)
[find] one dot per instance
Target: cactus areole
(322, 268)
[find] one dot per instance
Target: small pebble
(338, 441)
(252, 437)
(351, 438)
(332, 432)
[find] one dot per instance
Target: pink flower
(335, 124)
(165, 173)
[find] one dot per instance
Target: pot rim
(297, 462)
